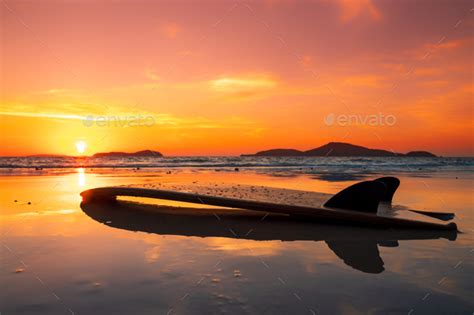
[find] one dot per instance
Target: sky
(224, 78)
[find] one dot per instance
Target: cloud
(151, 74)
(232, 89)
(171, 30)
(53, 111)
(436, 84)
(238, 84)
(163, 120)
(369, 80)
(306, 62)
(350, 9)
(57, 91)
(449, 109)
(40, 115)
(429, 49)
(427, 72)
(453, 44)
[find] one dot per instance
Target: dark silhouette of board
(357, 246)
(356, 204)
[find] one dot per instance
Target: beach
(59, 256)
(236, 157)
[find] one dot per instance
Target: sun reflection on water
(81, 177)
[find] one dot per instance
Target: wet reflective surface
(58, 256)
(356, 246)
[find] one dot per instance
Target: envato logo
(119, 121)
(353, 119)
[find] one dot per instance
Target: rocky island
(340, 149)
(144, 153)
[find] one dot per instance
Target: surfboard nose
(452, 226)
(94, 195)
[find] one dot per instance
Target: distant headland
(144, 153)
(334, 149)
(340, 149)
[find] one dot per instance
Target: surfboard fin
(391, 184)
(363, 197)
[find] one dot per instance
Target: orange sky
(219, 78)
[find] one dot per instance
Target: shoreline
(342, 175)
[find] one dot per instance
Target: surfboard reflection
(357, 247)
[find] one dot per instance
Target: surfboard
(366, 203)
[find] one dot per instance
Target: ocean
(330, 168)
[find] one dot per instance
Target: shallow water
(336, 168)
(59, 258)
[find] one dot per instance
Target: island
(340, 149)
(144, 153)
(420, 154)
(278, 152)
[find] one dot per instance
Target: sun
(81, 146)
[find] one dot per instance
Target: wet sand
(58, 257)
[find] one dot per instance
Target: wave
(308, 165)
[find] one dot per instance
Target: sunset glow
(81, 147)
(220, 78)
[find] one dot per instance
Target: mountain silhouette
(340, 149)
(144, 153)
